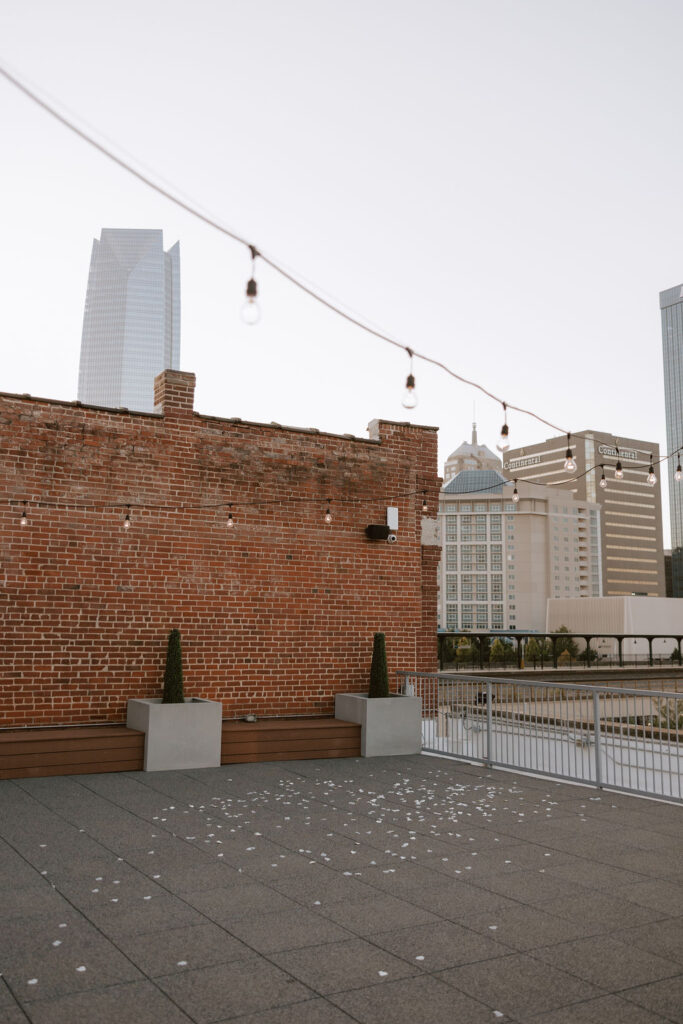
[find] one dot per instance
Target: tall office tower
(131, 324)
(502, 559)
(671, 305)
(631, 519)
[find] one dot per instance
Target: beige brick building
(502, 559)
(631, 509)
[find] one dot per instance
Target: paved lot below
(383, 891)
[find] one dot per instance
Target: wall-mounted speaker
(377, 532)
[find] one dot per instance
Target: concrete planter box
(184, 735)
(389, 725)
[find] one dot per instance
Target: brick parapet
(276, 615)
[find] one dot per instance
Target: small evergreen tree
(379, 675)
(568, 645)
(497, 651)
(532, 651)
(173, 673)
(464, 651)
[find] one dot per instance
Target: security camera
(392, 538)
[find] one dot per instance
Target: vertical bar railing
(549, 730)
(489, 724)
(596, 736)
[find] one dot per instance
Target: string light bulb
(603, 481)
(410, 396)
(425, 507)
(251, 311)
(679, 473)
(504, 442)
(651, 476)
(24, 517)
(328, 514)
(618, 471)
(569, 463)
(515, 494)
(126, 521)
(230, 525)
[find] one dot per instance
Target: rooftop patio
(410, 890)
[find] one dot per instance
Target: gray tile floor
(386, 891)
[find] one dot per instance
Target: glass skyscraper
(131, 324)
(671, 305)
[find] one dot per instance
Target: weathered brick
(276, 615)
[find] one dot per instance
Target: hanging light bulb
(515, 494)
(328, 514)
(24, 517)
(679, 473)
(651, 476)
(251, 311)
(425, 507)
(410, 396)
(126, 521)
(569, 463)
(504, 442)
(230, 525)
(603, 482)
(618, 471)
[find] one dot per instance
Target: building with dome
(504, 555)
(470, 456)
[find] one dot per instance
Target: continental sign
(623, 453)
(530, 460)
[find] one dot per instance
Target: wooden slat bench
(82, 750)
(75, 750)
(288, 739)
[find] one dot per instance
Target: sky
(495, 184)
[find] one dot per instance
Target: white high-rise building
(505, 554)
(131, 324)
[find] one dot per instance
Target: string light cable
(251, 312)
(193, 209)
(259, 502)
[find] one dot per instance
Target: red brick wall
(276, 615)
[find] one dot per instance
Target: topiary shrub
(379, 676)
(173, 673)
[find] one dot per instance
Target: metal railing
(604, 736)
(497, 649)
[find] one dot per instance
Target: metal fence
(605, 736)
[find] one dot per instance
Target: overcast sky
(497, 184)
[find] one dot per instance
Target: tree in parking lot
(568, 645)
(532, 652)
(497, 651)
